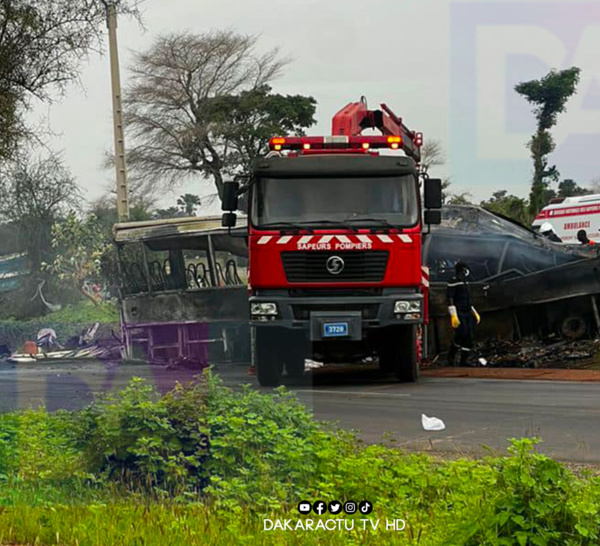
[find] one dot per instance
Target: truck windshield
(377, 201)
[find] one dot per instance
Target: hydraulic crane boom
(355, 117)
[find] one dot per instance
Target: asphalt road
(479, 414)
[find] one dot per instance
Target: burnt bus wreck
(183, 291)
(522, 284)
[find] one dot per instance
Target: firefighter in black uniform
(463, 315)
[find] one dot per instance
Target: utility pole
(120, 163)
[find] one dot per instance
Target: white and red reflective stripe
(324, 239)
(425, 276)
(573, 210)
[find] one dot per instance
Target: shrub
(138, 437)
(539, 502)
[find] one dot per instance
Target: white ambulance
(567, 216)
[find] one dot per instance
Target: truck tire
(294, 367)
(268, 359)
(398, 353)
(295, 355)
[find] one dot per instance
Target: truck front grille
(369, 310)
(358, 266)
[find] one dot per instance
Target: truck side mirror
(433, 217)
(230, 196)
(433, 193)
(229, 219)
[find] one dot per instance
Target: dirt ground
(516, 374)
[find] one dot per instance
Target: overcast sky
(448, 68)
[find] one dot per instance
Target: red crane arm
(355, 117)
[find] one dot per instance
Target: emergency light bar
(338, 142)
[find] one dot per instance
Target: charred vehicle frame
(522, 284)
(183, 291)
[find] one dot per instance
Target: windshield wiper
(379, 221)
(329, 223)
(290, 225)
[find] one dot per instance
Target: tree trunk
(89, 296)
(538, 185)
(218, 178)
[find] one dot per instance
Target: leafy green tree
(247, 121)
(463, 198)
(548, 96)
(42, 47)
(80, 246)
(188, 203)
(36, 192)
(508, 205)
(105, 212)
(200, 104)
(171, 212)
(570, 188)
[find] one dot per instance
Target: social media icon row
(335, 507)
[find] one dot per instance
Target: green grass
(83, 312)
(86, 311)
(134, 468)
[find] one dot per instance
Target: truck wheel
(398, 353)
(295, 354)
(268, 359)
(294, 367)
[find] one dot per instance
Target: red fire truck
(335, 231)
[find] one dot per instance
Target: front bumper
(373, 312)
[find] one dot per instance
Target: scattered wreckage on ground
(184, 285)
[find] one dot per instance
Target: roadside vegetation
(69, 321)
(205, 465)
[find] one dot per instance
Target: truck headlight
(263, 309)
(413, 306)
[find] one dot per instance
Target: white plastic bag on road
(432, 423)
(312, 364)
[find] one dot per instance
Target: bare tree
(174, 119)
(432, 154)
(143, 198)
(594, 185)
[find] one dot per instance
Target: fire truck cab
(335, 237)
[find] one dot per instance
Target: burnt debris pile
(582, 354)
